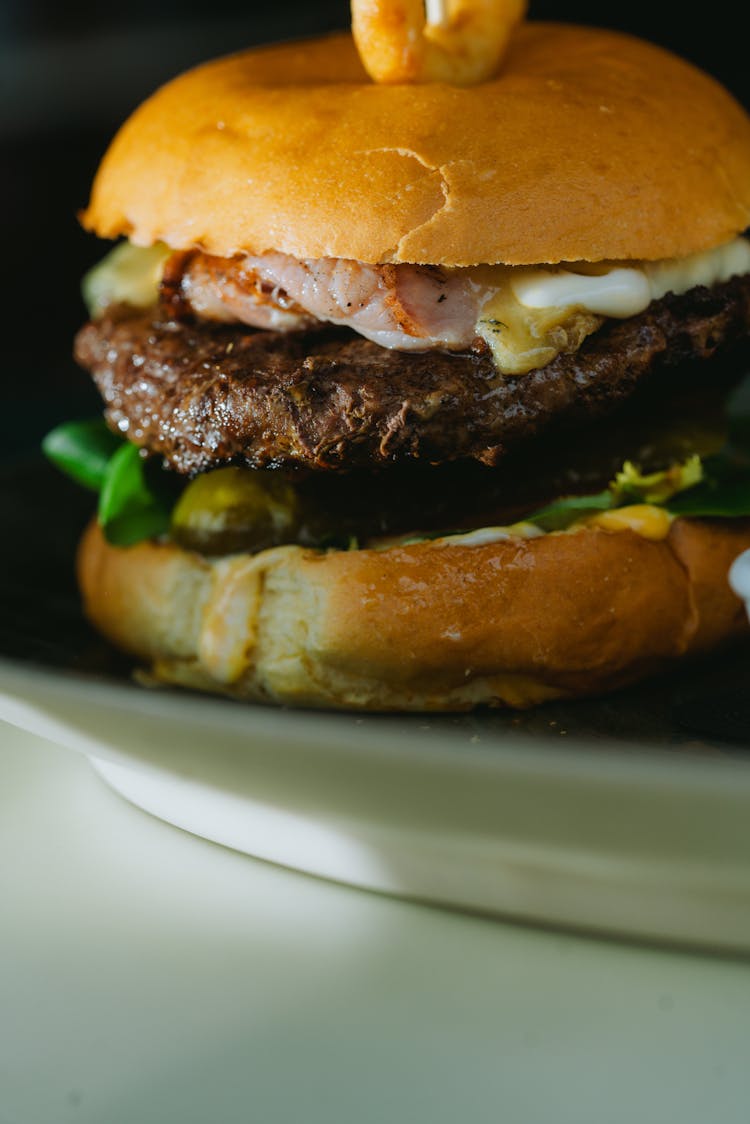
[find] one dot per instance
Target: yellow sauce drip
(645, 519)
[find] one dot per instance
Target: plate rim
(611, 759)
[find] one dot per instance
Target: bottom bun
(431, 626)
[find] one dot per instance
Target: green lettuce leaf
(135, 497)
(559, 514)
(130, 509)
(82, 450)
(717, 487)
(713, 501)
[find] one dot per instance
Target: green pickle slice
(235, 509)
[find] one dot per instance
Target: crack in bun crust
(589, 145)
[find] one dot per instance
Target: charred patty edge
(205, 395)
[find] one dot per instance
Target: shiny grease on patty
(202, 395)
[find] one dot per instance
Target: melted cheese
(644, 519)
(536, 313)
(127, 275)
(522, 339)
(530, 314)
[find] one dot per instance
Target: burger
(418, 395)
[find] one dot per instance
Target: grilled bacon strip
(406, 307)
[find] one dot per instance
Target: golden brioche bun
(421, 627)
(589, 145)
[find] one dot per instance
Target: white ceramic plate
(618, 839)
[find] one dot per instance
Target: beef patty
(203, 395)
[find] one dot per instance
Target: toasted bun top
(589, 145)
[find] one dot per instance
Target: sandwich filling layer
(525, 315)
(202, 395)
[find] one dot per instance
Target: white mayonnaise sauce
(621, 291)
(527, 315)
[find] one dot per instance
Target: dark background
(70, 73)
